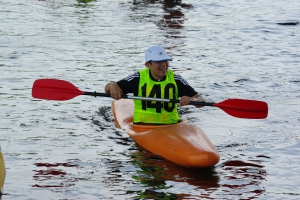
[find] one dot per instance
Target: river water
(226, 49)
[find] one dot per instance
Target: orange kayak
(182, 143)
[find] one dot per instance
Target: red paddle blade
(243, 108)
(54, 89)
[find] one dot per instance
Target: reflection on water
(173, 17)
(234, 178)
(51, 172)
(243, 179)
(171, 22)
(158, 174)
(85, 1)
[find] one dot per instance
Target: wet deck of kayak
(72, 149)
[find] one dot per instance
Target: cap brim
(169, 59)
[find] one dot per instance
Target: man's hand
(185, 100)
(114, 90)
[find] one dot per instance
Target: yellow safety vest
(154, 111)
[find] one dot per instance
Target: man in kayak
(155, 81)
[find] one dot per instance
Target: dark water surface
(225, 49)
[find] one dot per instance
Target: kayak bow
(181, 143)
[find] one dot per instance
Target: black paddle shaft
(95, 94)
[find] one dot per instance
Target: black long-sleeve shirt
(130, 85)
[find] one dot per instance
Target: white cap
(156, 54)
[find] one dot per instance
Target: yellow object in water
(2, 172)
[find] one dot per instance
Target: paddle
(54, 89)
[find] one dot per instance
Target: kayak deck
(181, 143)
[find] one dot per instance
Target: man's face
(158, 69)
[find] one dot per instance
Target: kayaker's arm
(185, 100)
(114, 90)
